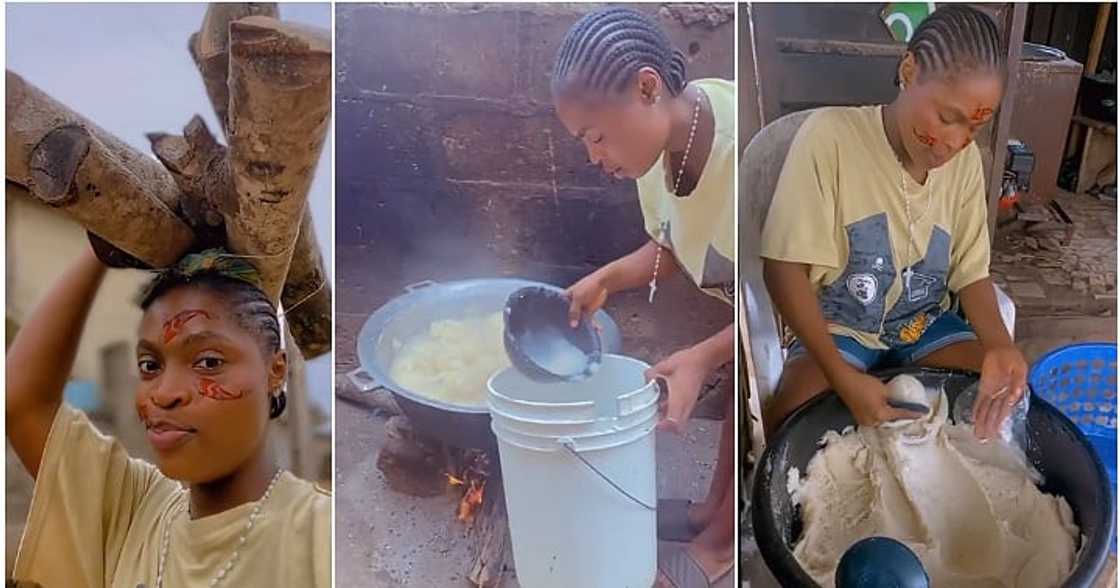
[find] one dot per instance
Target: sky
(126, 67)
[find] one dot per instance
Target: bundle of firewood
(270, 85)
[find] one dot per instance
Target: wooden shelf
(837, 47)
(1104, 127)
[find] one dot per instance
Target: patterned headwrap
(211, 262)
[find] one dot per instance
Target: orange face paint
(175, 324)
(213, 390)
(981, 114)
(924, 139)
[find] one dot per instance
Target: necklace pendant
(652, 289)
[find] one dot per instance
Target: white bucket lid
(617, 388)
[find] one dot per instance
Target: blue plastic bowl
(1080, 380)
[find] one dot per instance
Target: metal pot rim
(374, 328)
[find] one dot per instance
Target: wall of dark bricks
(450, 159)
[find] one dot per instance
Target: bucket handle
(570, 446)
(418, 285)
(363, 381)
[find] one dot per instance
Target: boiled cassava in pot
(411, 314)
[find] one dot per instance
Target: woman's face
(624, 132)
(204, 385)
(939, 116)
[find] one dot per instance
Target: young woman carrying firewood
(215, 510)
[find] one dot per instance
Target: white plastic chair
(759, 325)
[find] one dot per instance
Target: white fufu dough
(453, 360)
(907, 388)
(973, 518)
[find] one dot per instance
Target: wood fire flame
(472, 479)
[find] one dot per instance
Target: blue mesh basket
(1080, 380)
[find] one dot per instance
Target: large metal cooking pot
(410, 314)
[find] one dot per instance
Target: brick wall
(450, 159)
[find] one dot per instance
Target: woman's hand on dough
(684, 373)
(866, 398)
(587, 296)
(1003, 380)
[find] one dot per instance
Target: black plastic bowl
(1059, 451)
(538, 337)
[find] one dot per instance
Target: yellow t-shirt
(97, 520)
(700, 227)
(840, 208)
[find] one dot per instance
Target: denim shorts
(948, 329)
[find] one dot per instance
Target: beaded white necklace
(225, 569)
(676, 190)
(911, 244)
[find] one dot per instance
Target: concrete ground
(387, 539)
(1063, 292)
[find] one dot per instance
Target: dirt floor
(388, 539)
(1063, 282)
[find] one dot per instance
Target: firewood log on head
(209, 48)
(67, 162)
(279, 109)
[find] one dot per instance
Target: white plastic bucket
(578, 470)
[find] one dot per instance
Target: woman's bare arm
(630, 271)
(791, 291)
(42, 355)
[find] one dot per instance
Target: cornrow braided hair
(605, 49)
(957, 38)
(233, 278)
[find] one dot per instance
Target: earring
(276, 404)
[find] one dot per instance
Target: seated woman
(879, 217)
(216, 509)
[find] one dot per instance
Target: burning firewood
(471, 476)
(482, 505)
(472, 500)
(492, 534)
(419, 466)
